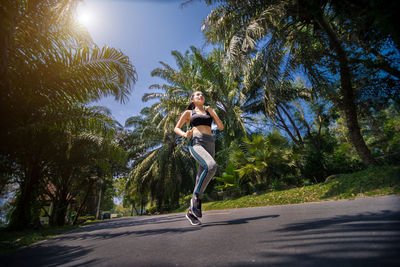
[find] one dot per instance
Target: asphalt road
(361, 232)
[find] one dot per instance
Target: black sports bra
(199, 119)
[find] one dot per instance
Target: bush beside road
(377, 181)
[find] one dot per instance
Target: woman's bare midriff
(202, 129)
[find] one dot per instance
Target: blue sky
(146, 31)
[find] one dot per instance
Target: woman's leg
(207, 168)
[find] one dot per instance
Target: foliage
(107, 201)
(263, 159)
(231, 184)
(306, 90)
(370, 182)
(318, 144)
(50, 69)
(161, 166)
(318, 38)
(381, 128)
(152, 210)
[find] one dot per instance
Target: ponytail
(190, 106)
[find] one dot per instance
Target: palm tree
(195, 72)
(242, 25)
(271, 88)
(222, 88)
(50, 60)
(68, 155)
(161, 168)
(263, 159)
(79, 148)
(48, 65)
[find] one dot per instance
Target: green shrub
(152, 210)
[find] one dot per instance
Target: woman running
(201, 148)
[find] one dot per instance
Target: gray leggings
(202, 149)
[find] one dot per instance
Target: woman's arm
(185, 117)
(216, 118)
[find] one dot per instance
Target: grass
(377, 181)
(10, 241)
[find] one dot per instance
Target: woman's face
(198, 98)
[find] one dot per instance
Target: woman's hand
(189, 133)
(215, 117)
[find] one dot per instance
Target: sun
(84, 17)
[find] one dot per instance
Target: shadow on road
(138, 233)
(383, 221)
(47, 256)
(239, 221)
(55, 253)
(116, 227)
(367, 239)
(97, 231)
(130, 221)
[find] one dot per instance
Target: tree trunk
(23, 214)
(141, 206)
(293, 123)
(60, 212)
(52, 218)
(78, 212)
(347, 93)
(286, 128)
(98, 217)
(315, 143)
(136, 210)
(61, 202)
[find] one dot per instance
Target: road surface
(360, 232)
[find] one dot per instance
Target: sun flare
(85, 17)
